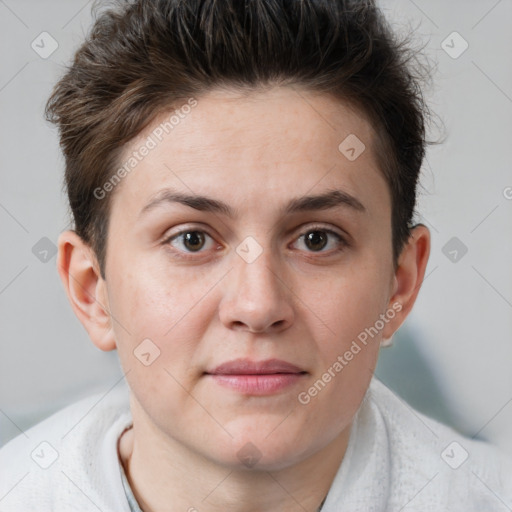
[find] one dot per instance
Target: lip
(257, 377)
(249, 367)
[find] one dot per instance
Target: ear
(86, 289)
(408, 277)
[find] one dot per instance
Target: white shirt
(397, 459)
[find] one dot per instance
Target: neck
(161, 470)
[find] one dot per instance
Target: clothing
(132, 502)
(396, 460)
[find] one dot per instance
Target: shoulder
(67, 461)
(447, 468)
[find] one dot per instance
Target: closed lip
(249, 367)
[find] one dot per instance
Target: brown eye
(193, 240)
(321, 240)
(315, 240)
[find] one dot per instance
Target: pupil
(315, 238)
(194, 240)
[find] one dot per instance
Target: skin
(256, 153)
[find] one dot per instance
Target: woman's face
(251, 271)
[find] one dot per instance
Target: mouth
(257, 377)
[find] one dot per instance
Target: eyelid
(320, 227)
(194, 227)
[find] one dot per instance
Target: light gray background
(452, 358)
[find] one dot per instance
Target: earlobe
(85, 288)
(409, 276)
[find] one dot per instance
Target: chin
(263, 451)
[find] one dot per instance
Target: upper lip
(249, 367)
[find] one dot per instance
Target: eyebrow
(325, 201)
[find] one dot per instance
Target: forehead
(276, 116)
(242, 143)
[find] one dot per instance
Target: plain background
(452, 358)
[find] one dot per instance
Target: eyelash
(193, 255)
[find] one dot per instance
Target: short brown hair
(142, 57)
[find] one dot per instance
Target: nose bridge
(256, 298)
(258, 276)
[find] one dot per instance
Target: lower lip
(262, 384)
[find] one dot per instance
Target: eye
(191, 241)
(317, 239)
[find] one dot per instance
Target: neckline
(132, 502)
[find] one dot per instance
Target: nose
(256, 297)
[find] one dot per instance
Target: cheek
(353, 301)
(164, 314)
(348, 341)
(151, 301)
(158, 322)
(348, 344)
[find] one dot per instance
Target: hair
(142, 57)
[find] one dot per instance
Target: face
(252, 271)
